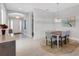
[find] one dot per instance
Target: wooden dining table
(57, 34)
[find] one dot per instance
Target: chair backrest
(67, 33)
(63, 33)
(48, 34)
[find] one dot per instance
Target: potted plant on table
(3, 28)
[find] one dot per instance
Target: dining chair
(67, 35)
(50, 39)
(47, 37)
(63, 38)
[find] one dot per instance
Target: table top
(56, 32)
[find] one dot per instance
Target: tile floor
(26, 46)
(31, 47)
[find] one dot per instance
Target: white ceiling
(28, 7)
(16, 15)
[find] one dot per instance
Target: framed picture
(69, 21)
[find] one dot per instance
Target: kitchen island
(7, 46)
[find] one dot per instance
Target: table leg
(57, 41)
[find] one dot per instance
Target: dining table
(57, 34)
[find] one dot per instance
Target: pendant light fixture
(57, 19)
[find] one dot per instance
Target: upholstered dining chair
(49, 39)
(63, 38)
(67, 35)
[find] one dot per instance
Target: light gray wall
(44, 21)
(29, 24)
(3, 16)
(0, 13)
(73, 11)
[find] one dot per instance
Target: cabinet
(7, 48)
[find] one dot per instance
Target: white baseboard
(74, 38)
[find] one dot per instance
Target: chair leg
(68, 39)
(61, 42)
(46, 41)
(51, 42)
(65, 41)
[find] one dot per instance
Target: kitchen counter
(7, 46)
(7, 38)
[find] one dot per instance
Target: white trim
(74, 38)
(11, 24)
(2, 17)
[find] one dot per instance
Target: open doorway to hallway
(21, 23)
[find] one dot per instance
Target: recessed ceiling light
(17, 17)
